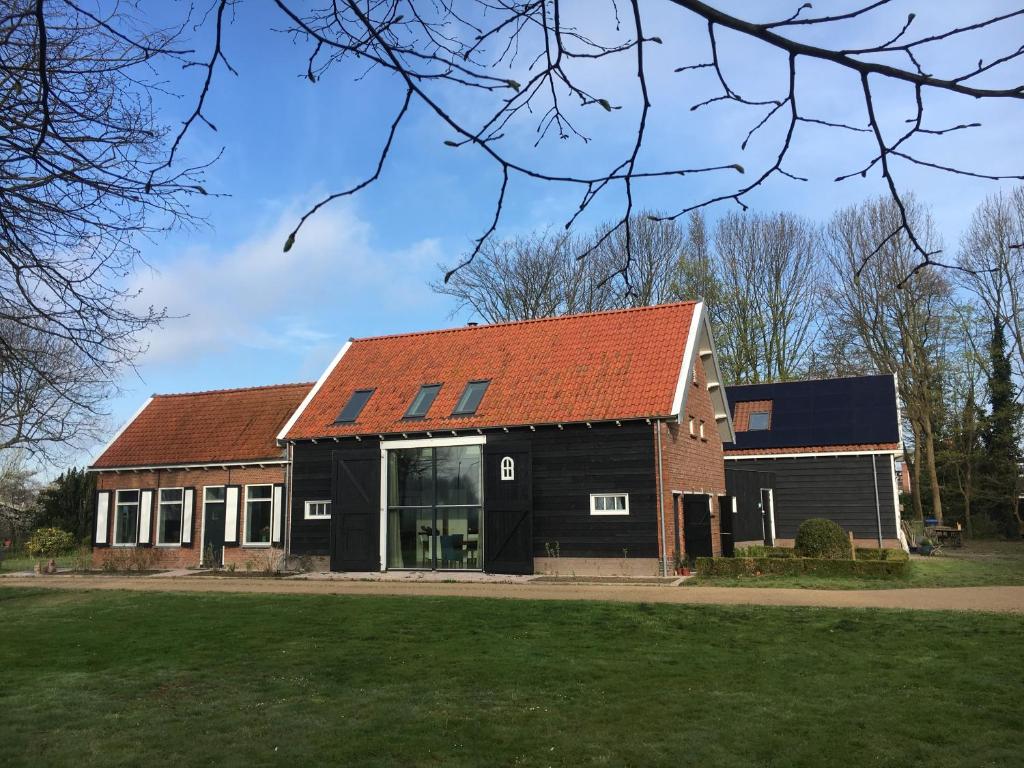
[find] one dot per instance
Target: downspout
(878, 504)
(287, 538)
(661, 504)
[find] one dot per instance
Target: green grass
(979, 564)
(26, 563)
(154, 679)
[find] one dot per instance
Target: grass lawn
(130, 678)
(979, 564)
(26, 563)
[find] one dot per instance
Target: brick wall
(691, 464)
(256, 557)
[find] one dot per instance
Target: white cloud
(255, 295)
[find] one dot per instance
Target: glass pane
(354, 406)
(170, 494)
(215, 494)
(170, 523)
(458, 475)
(127, 523)
(423, 400)
(758, 420)
(620, 502)
(127, 496)
(471, 397)
(459, 540)
(257, 522)
(599, 503)
(411, 539)
(410, 477)
(259, 491)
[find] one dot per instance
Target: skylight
(422, 402)
(354, 406)
(759, 421)
(470, 398)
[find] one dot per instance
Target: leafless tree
(994, 265)
(546, 274)
(764, 294)
(83, 174)
(488, 69)
(898, 323)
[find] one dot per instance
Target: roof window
(356, 402)
(470, 398)
(422, 402)
(759, 421)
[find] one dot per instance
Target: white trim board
(685, 372)
(120, 432)
(700, 335)
(186, 467)
(809, 454)
(312, 393)
(434, 442)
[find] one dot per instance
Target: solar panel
(354, 406)
(470, 398)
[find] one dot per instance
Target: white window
(508, 468)
(695, 373)
(609, 503)
(702, 429)
(126, 518)
(692, 426)
(259, 508)
(168, 516)
(318, 510)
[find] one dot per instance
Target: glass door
(434, 508)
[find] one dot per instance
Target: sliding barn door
(508, 508)
(355, 515)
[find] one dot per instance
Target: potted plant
(682, 566)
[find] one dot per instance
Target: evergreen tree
(1001, 439)
(67, 503)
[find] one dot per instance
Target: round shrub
(822, 539)
(50, 542)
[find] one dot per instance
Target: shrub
(49, 542)
(801, 566)
(822, 539)
(760, 550)
(865, 553)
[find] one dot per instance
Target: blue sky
(249, 314)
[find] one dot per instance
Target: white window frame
(138, 511)
(245, 523)
(692, 425)
(508, 468)
(159, 516)
(702, 437)
(308, 515)
(595, 511)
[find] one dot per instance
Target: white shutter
(231, 514)
(275, 514)
(145, 516)
(186, 517)
(102, 516)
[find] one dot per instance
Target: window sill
(617, 513)
(168, 546)
(257, 545)
(315, 519)
(131, 544)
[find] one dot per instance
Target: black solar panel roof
(850, 411)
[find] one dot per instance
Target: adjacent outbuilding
(824, 448)
(196, 478)
(580, 444)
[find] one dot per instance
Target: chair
(452, 551)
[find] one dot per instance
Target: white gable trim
(700, 344)
(120, 432)
(312, 393)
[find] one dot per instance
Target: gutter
(661, 504)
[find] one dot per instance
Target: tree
(83, 173)
(67, 503)
(993, 264)
(1001, 438)
(18, 488)
(897, 323)
(767, 279)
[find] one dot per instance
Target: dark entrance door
(213, 526)
(697, 525)
(508, 508)
(725, 525)
(355, 524)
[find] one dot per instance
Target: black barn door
(508, 508)
(697, 525)
(355, 519)
(725, 525)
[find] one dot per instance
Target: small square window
(759, 421)
(702, 437)
(422, 402)
(693, 426)
(609, 503)
(318, 510)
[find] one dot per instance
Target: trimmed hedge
(760, 550)
(801, 566)
(865, 553)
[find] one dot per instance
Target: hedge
(894, 553)
(863, 553)
(801, 566)
(821, 538)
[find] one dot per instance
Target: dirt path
(1000, 599)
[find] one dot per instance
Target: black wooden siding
(568, 465)
(837, 488)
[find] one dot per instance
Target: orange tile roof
(853, 448)
(226, 425)
(622, 364)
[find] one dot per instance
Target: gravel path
(999, 599)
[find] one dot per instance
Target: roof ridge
(809, 381)
(235, 389)
(553, 318)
